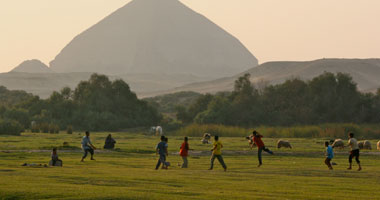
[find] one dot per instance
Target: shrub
(53, 128)
(44, 127)
(35, 128)
(69, 129)
(10, 127)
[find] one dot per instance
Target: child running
(353, 143)
(162, 150)
(329, 155)
(87, 146)
(54, 157)
(217, 153)
(260, 145)
(183, 152)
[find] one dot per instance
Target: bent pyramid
(155, 36)
(32, 66)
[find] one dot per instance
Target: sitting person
(110, 142)
(55, 161)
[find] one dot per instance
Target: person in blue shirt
(87, 146)
(329, 155)
(162, 150)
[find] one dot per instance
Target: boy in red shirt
(260, 145)
(183, 152)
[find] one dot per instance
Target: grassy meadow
(128, 172)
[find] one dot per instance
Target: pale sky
(271, 29)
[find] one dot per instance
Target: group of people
(162, 151)
(354, 153)
(87, 147)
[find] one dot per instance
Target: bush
(44, 127)
(35, 128)
(53, 128)
(69, 129)
(10, 127)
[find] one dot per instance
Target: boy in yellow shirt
(217, 153)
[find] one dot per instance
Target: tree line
(103, 105)
(328, 98)
(97, 104)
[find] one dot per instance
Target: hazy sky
(270, 29)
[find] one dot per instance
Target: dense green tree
(327, 98)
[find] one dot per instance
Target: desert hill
(365, 73)
(43, 84)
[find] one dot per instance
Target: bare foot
(259, 165)
(359, 169)
(225, 169)
(92, 159)
(349, 168)
(210, 169)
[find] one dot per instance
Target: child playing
(260, 145)
(353, 143)
(162, 150)
(329, 155)
(183, 152)
(54, 157)
(217, 153)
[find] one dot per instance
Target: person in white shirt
(353, 143)
(87, 146)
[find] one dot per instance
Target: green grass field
(128, 173)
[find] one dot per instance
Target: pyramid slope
(151, 36)
(32, 66)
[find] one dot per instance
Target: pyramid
(32, 66)
(156, 37)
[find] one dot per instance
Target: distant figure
(87, 146)
(152, 130)
(217, 153)
(260, 145)
(55, 161)
(353, 143)
(162, 150)
(251, 144)
(110, 142)
(159, 130)
(206, 138)
(183, 152)
(329, 155)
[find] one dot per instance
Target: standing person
(353, 143)
(87, 146)
(54, 157)
(329, 155)
(183, 152)
(162, 150)
(217, 153)
(260, 145)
